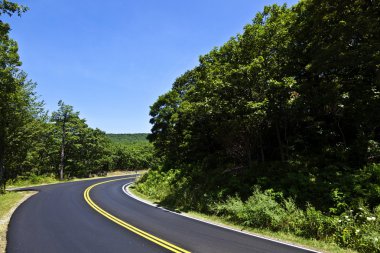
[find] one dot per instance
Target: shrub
(357, 229)
(260, 210)
(157, 184)
(317, 225)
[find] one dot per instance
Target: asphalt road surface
(59, 219)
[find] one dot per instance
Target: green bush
(31, 179)
(261, 210)
(156, 184)
(357, 229)
(317, 225)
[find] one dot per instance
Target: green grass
(8, 200)
(281, 236)
(133, 190)
(42, 180)
(32, 181)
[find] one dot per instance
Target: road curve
(58, 219)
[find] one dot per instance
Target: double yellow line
(124, 224)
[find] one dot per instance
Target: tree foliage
(83, 150)
(31, 141)
(16, 96)
(290, 104)
(131, 152)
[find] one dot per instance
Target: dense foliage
(128, 138)
(16, 96)
(32, 142)
(291, 104)
(75, 150)
(131, 152)
(356, 228)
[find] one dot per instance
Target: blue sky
(112, 59)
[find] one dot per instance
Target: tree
(28, 143)
(337, 71)
(83, 150)
(290, 103)
(62, 118)
(15, 99)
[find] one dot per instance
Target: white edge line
(125, 189)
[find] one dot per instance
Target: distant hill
(128, 138)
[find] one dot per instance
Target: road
(60, 219)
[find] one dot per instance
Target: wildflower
(376, 239)
(357, 231)
(346, 217)
(371, 218)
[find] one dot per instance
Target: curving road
(59, 219)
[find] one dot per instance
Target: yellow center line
(150, 237)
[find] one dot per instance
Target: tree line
(291, 104)
(34, 142)
(279, 128)
(132, 152)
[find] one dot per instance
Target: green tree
(290, 103)
(337, 70)
(15, 100)
(67, 120)
(83, 150)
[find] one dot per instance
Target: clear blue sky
(112, 59)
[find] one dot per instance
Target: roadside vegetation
(8, 203)
(34, 142)
(33, 180)
(37, 146)
(284, 236)
(268, 212)
(279, 128)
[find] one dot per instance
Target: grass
(8, 203)
(280, 236)
(44, 180)
(8, 200)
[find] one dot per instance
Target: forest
(280, 127)
(132, 152)
(35, 143)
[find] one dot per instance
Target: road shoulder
(282, 238)
(20, 197)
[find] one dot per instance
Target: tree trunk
(342, 134)
(62, 163)
(3, 179)
(2, 175)
(262, 149)
(279, 143)
(248, 152)
(286, 140)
